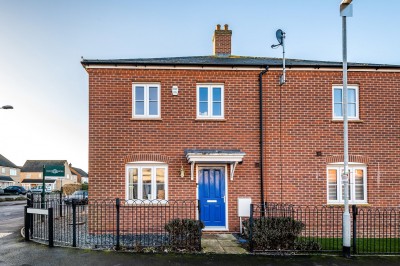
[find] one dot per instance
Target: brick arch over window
(352, 158)
(151, 157)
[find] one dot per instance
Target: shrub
(68, 189)
(274, 233)
(184, 233)
(307, 245)
(85, 187)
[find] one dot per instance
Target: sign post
(51, 170)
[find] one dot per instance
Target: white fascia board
(249, 68)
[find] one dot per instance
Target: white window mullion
(140, 183)
(210, 105)
(146, 100)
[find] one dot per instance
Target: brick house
(190, 128)
(9, 173)
(32, 174)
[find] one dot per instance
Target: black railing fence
(111, 224)
(374, 230)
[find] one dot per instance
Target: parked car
(17, 190)
(38, 189)
(79, 196)
(1, 191)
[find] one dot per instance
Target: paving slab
(228, 243)
(234, 250)
(226, 237)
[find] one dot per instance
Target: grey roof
(6, 178)
(37, 165)
(212, 151)
(230, 61)
(7, 163)
(37, 181)
(80, 171)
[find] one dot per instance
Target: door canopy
(232, 157)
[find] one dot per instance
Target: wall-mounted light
(182, 171)
(175, 90)
(318, 153)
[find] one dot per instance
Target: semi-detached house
(219, 128)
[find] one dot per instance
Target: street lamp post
(346, 10)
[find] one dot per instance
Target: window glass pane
(133, 183)
(160, 183)
(216, 94)
(351, 110)
(359, 184)
(153, 93)
(203, 109)
(351, 96)
(338, 109)
(139, 93)
(216, 109)
(139, 108)
(332, 187)
(338, 96)
(146, 179)
(153, 108)
(203, 92)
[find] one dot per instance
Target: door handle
(224, 198)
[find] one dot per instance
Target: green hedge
(274, 233)
(184, 234)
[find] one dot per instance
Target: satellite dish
(280, 36)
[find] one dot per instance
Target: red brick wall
(298, 122)
(294, 173)
(113, 135)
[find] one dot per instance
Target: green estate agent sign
(55, 170)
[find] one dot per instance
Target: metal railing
(111, 224)
(374, 230)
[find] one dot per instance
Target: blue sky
(42, 41)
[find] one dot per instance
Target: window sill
(342, 204)
(210, 119)
(350, 121)
(146, 118)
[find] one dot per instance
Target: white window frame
(355, 87)
(210, 102)
(13, 171)
(339, 170)
(146, 100)
(140, 166)
(3, 170)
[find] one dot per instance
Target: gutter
(261, 139)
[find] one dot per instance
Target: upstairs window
(352, 102)
(210, 101)
(3, 170)
(13, 171)
(357, 184)
(146, 101)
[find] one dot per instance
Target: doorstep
(221, 244)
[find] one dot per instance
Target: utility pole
(346, 10)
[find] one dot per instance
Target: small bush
(68, 189)
(274, 233)
(1, 199)
(307, 245)
(85, 187)
(184, 234)
(9, 199)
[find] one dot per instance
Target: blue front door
(212, 196)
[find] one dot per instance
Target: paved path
(221, 244)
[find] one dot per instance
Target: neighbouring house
(80, 175)
(220, 128)
(9, 173)
(32, 174)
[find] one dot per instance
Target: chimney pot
(226, 27)
(218, 27)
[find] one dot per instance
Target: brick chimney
(222, 41)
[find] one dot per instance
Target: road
(15, 251)
(11, 217)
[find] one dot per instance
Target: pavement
(221, 244)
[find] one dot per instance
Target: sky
(42, 42)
